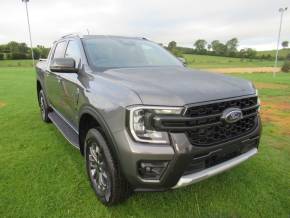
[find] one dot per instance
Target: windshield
(116, 52)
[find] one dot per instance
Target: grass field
(205, 61)
(42, 175)
(282, 52)
(16, 63)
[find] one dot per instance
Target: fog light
(152, 169)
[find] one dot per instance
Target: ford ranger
(141, 118)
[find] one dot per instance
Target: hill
(206, 61)
(282, 53)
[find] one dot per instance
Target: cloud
(254, 22)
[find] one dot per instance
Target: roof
(76, 35)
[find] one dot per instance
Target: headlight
(258, 100)
(140, 125)
(257, 94)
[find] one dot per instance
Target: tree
(172, 45)
(22, 48)
(218, 48)
(247, 53)
(232, 46)
(214, 44)
(15, 50)
(286, 66)
(18, 50)
(43, 51)
(13, 46)
(285, 44)
(200, 46)
(4, 49)
(36, 53)
(18, 56)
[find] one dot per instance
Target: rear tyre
(104, 174)
(44, 109)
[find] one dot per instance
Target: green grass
(15, 63)
(42, 175)
(282, 52)
(205, 61)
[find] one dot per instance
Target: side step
(68, 132)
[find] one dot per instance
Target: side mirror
(182, 60)
(63, 65)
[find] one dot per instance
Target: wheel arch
(89, 118)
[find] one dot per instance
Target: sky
(254, 22)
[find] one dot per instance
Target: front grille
(210, 130)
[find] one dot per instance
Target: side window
(59, 50)
(73, 51)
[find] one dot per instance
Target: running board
(68, 132)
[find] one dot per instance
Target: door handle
(77, 94)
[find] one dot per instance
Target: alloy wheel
(98, 171)
(42, 107)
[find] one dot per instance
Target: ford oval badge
(232, 115)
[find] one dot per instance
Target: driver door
(70, 85)
(53, 79)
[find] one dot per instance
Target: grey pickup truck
(142, 120)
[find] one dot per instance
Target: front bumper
(180, 154)
(212, 171)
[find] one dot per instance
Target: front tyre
(105, 176)
(44, 109)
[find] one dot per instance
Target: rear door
(53, 79)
